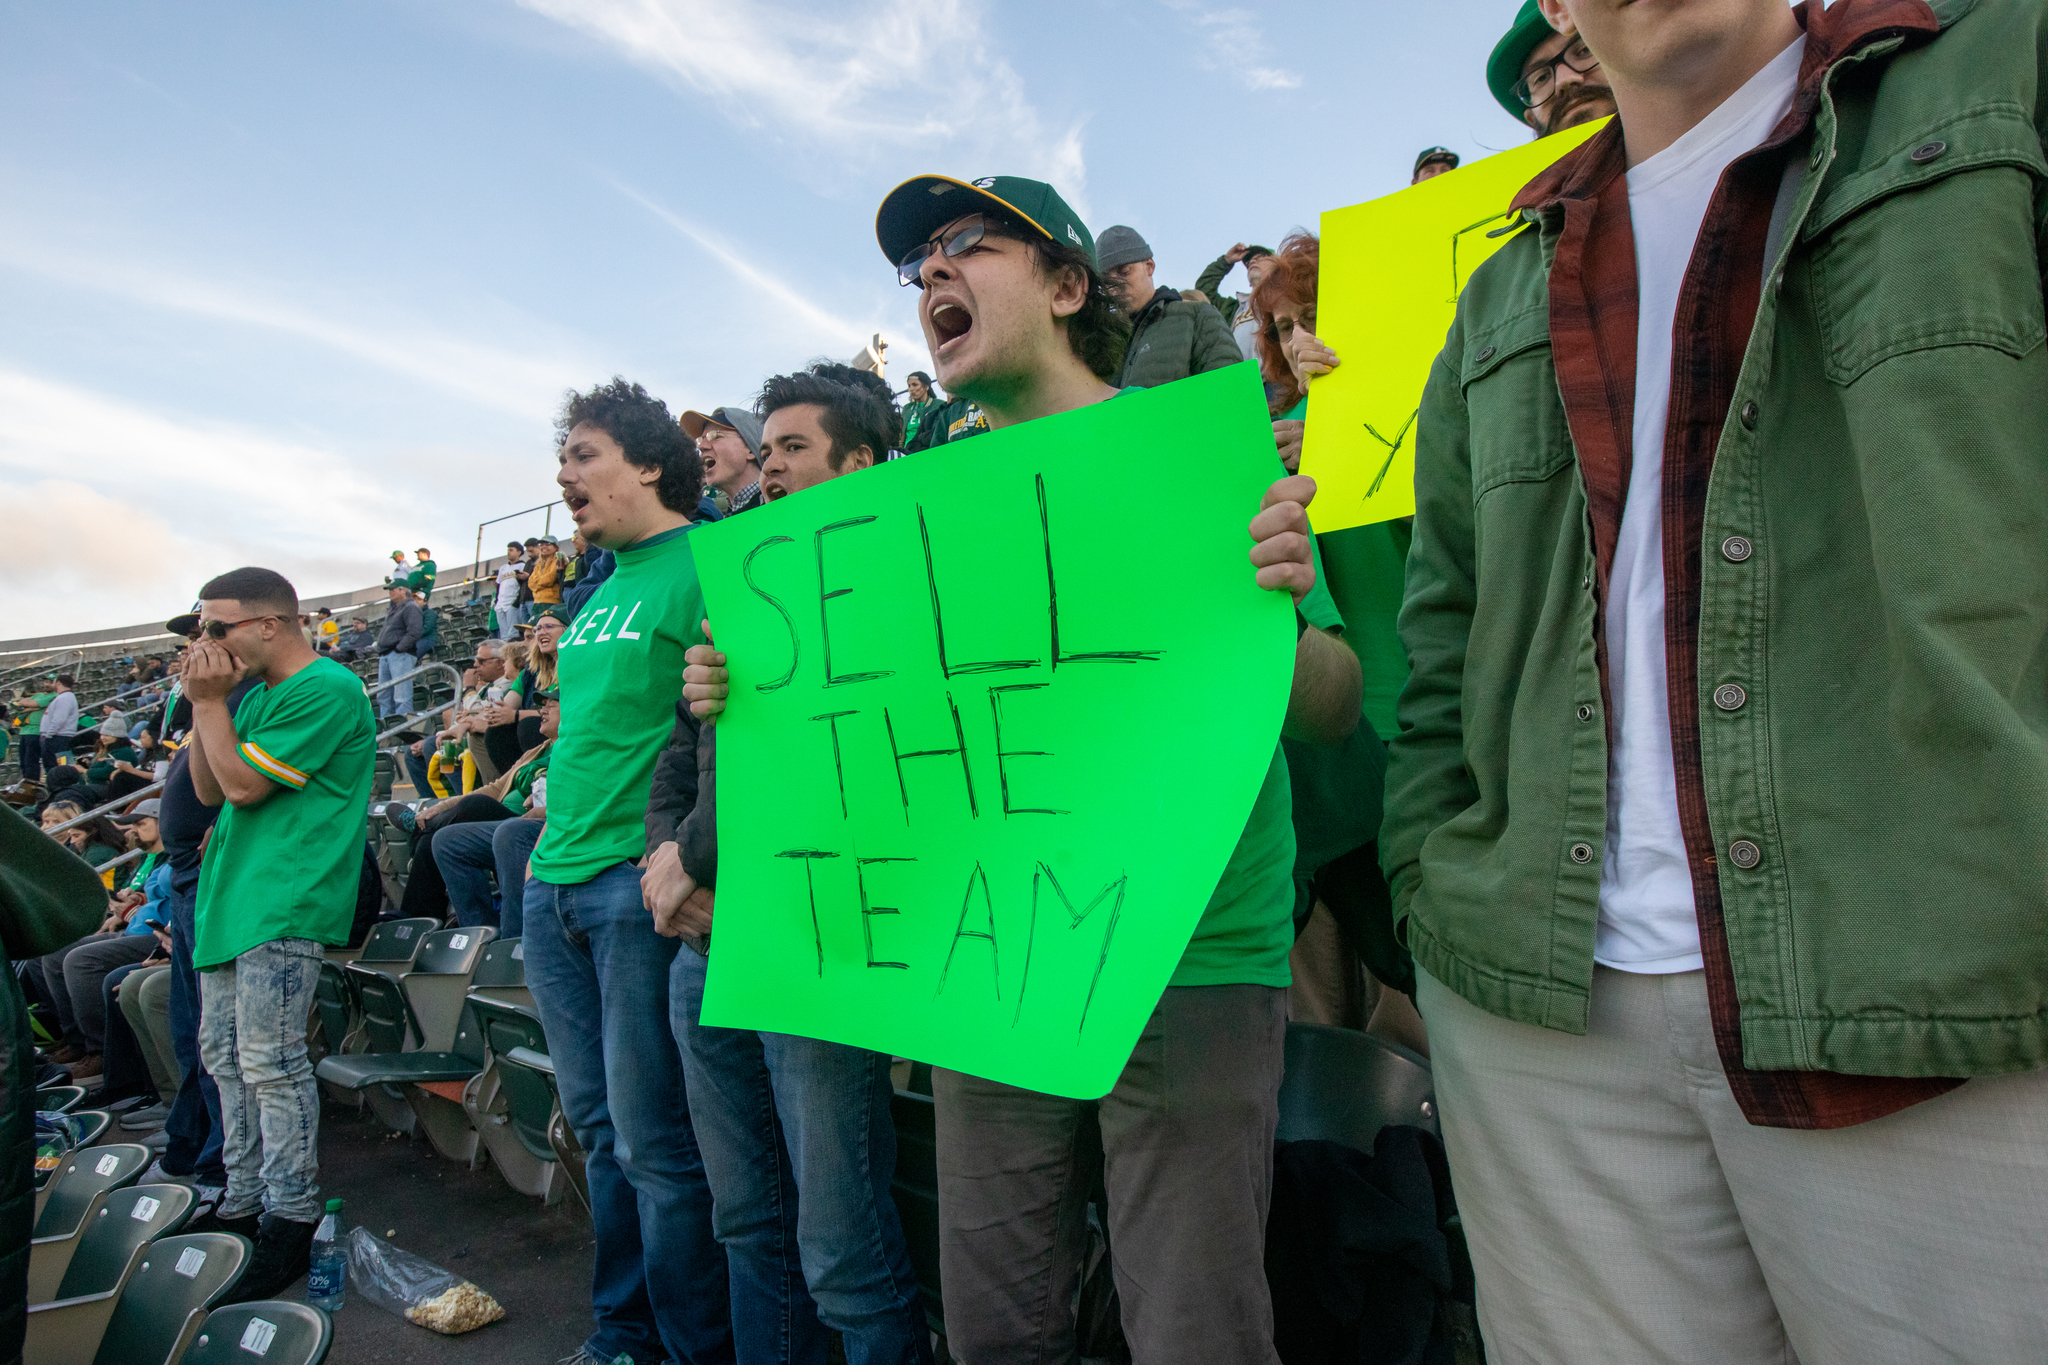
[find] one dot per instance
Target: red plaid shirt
(1593, 345)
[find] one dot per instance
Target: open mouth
(576, 504)
(950, 322)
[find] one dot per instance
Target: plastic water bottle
(327, 1281)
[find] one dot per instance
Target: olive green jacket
(1171, 339)
(1885, 468)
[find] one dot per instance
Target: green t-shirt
(421, 579)
(33, 725)
(1247, 928)
(1367, 570)
(621, 672)
(521, 787)
(288, 868)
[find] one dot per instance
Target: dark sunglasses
(962, 239)
(218, 630)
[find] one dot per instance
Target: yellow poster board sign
(1391, 272)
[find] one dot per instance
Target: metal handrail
(407, 723)
(476, 569)
(132, 855)
(151, 790)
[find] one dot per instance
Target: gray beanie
(1119, 245)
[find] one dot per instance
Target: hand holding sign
(959, 818)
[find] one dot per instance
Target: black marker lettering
(811, 855)
(995, 706)
(961, 931)
(825, 596)
(788, 621)
(868, 913)
(960, 738)
(931, 578)
(838, 765)
(1052, 603)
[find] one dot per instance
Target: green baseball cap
(1504, 67)
(918, 207)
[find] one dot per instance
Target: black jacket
(401, 632)
(682, 804)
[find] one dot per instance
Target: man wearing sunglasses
(1549, 80)
(290, 771)
(1017, 321)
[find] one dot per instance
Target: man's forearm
(219, 759)
(1323, 705)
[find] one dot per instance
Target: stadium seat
(59, 1099)
(1344, 1086)
(421, 1000)
(334, 1006)
(107, 1251)
(271, 1331)
(164, 1302)
(513, 1105)
(63, 1205)
(916, 1187)
(90, 1124)
(395, 940)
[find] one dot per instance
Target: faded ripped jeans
(252, 1038)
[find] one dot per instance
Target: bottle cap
(334, 1206)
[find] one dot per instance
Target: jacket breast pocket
(1517, 425)
(1934, 246)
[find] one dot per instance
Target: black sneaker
(284, 1252)
(248, 1225)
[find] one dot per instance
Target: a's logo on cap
(1073, 234)
(987, 182)
(940, 189)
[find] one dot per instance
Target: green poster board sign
(998, 715)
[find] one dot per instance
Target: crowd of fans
(1658, 1152)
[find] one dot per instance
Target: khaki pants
(146, 1003)
(1620, 1208)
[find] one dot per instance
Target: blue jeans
(599, 975)
(193, 1128)
(468, 854)
(395, 700)
(799, 1146)
(252, 1035)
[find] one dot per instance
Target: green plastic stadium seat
(66, 1326)
(168, 1296)
(396, 940)
(59, 1099)
(335, 1006)
(1344, 1086)
(90, 1124)
(81, 1178)
(269, 1332)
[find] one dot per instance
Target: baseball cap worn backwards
(1504, 67)
(922, 205)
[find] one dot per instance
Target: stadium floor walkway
(533, 1259)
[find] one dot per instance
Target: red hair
(1292, 281)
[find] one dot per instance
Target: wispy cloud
(829, 327)
(134, 509)
(842, 76)
(1233, 43)
(517, 383)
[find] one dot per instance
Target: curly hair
(857, 408)
(1291, 281)
(650, 437)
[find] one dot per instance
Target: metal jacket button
(1582, 853)
(1730, 696)
(1749, 414)
(1585, 712)
(1735, 549)
(1744, 854)
(1927, 151)
(1813, 162)
(1483, 356)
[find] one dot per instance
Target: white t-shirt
(508, 585)
(1647, 919)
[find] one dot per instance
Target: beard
(1580, 104)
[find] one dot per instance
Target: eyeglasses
(1539, 85)
(962, 239)
(218, 630)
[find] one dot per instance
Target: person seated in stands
(483, 682)
(466, 855)
(132, 775)
(426, 895)
(107, 752)
(513, 718)
(326, 630)
(113, 720)
(99, 841)
(71, 977)
(355, 642)
(796, 1133)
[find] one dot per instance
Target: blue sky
(299, 284)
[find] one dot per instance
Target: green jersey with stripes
(288, 867)
(621, 673)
